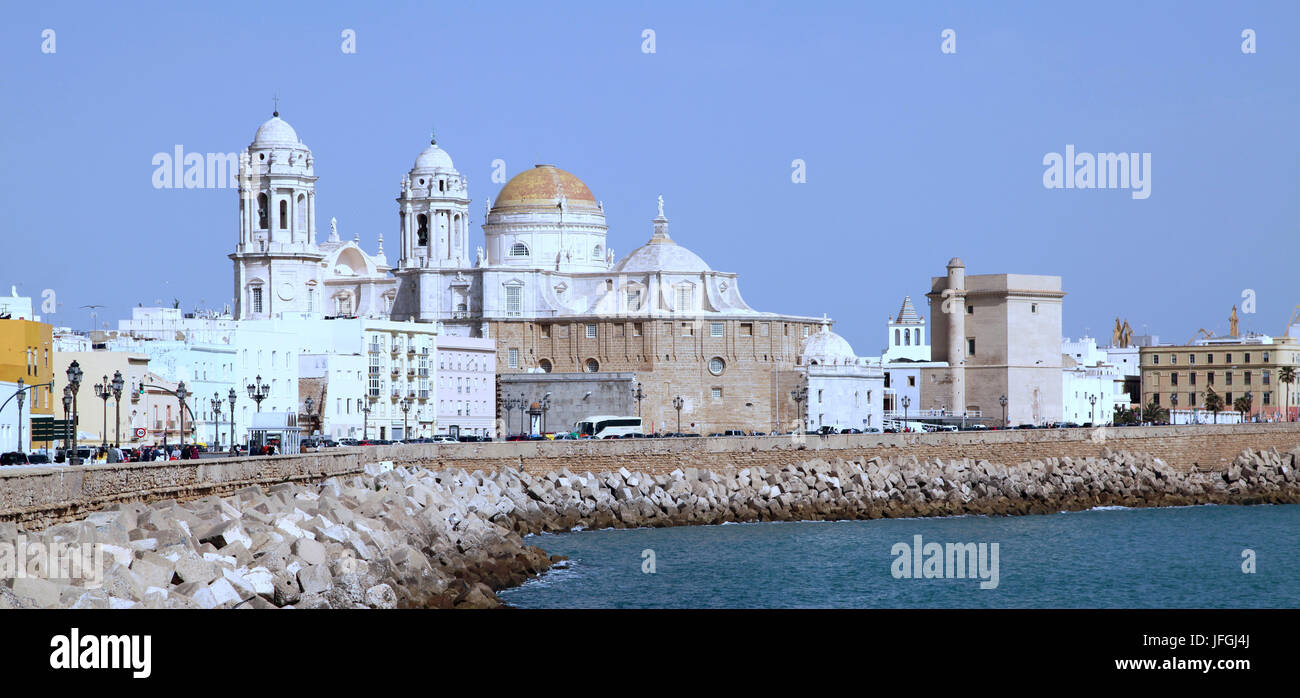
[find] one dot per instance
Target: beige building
(1000, 335)
(153, 410)
(1179, 377)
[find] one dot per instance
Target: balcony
(410, 350)
(375, 348)
(395, 369)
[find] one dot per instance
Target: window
(636, 329)
(805, 331)
(591, 331)
(257, 300)
(633, 299)
(1209, 358)
(1266, 381)
(1265, 357)
(716, 393)
(763, 329)
(746, 329)
(545, 330)
(592, 365)
(907, 338)
(284, 214)
(262, 212)
(717, 366)
(685, 298)
(970, 346)
(596, 252)
(1173, 378)
(1227, 377)
(687, 329)
(1268, 398)
(1209, 377)
(1033, 307)
(545, 365)
(422, 230)
(1155, 359)
(1247, 375)
(1173, 359)
(512, 359)
(519, 249)
(715, 329)
(514, 300)
(911, 381)
(970, 310)
(1247, 357)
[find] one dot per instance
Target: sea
(1175, 557)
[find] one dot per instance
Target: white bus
(606, 426)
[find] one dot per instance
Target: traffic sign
(139, 432)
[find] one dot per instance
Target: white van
(607, 426)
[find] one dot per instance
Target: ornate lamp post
(181, 394)
(67, 409)
(231, 397)
(74, 374)
(117, 384)
(1092, 414)
(677, 405)
(638, 396)
(20, 395)
(405, 404)
(215, 404)
(907, 402)
(546, 405)
(103, 391)
(1173, 403)
(799, 395)
(308, 403)
(258, 391)
(1003, 401)
(365, 423)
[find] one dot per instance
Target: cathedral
(545, 285)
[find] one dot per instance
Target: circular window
(592, 365)
(261, 156)
(716, 366)
(545, 365)
(422, 181)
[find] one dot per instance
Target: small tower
(434, 213)
(906, 337)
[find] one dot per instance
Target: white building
(208, 371)
(9, 420)
(906, 338)
(844, 391)
(338, 388)
(467, 385)
(17, 307)
(1091, 393)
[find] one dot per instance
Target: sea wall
(38, 497)
(397, 536)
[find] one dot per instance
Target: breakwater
(398, 536)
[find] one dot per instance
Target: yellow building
(1180, 376)
(27, 353)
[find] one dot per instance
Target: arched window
(422, 232)
(907, 338)
(592, 366)
(284, 214)
(519, 249)
(897, 338)
(596, 252)
(302, 213)
(261, 211)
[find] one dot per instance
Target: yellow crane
(1295, 319)
(1207, 334)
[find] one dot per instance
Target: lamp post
(181, 394)
(677, 405)
(365, 423)
(1003, 401)
(67, 407)
(103, 391)
(231, 398)
(216, 421)
(546, 405)
(74, 374)
(907, 402)
(308, 403)
(258, 391)
(1092, 414)
(638, 396)
(405, 404)
(117, 384)
(21, 395)
(1173, 402)
(799, 395)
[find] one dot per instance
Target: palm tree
(1286, 374)
(1242, 405)
(1154, 413)
(1213, 403)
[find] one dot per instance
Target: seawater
(1180, 557)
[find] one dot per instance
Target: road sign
(139, 432)
(49, 429)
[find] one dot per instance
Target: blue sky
(912, 156)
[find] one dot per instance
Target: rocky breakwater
(416, 538)
(389, 538)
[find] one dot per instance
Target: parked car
(13, 458)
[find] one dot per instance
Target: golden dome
(542, 188)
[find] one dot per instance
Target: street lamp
(117, 384)
(638, 396)
(1092, 414)
(258, 391)
(677, 405)
(20, 396)
(546, 405)
(365, 423)
(181, 394)
(216, 420)
(1003, 401)
(67, 407)
(405, 404)
(231, 397)
(308, 404)
(799, 395)
(1173, 405)
(907, 402)
(103, 391)
(74, 374)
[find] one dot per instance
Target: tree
(1287, 375)
(1242, 405)
(1125, 415)
(1154, 413)
(1213, 403)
